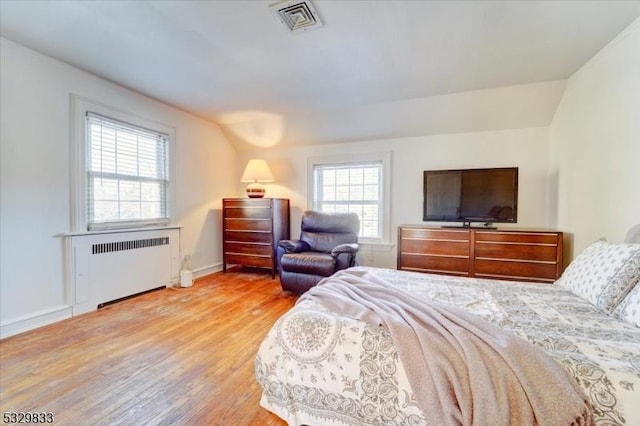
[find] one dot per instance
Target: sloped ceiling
(376, 69)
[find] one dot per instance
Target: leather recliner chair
(328, 243)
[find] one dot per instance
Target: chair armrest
(294, 246)
(345, 248)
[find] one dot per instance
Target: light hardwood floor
(172, 356)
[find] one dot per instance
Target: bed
(320, 364)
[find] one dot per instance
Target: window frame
(355, 160)
(79, 161)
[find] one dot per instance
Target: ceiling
(376, 69)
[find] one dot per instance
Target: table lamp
(257, 171)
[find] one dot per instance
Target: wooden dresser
(510, 254)
(251, 229)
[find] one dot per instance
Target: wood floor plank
(172, 356)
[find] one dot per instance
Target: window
(127, 175)
(122, 172)
(354, 186)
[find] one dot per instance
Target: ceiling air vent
(296, 15)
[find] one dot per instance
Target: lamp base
(255, 190)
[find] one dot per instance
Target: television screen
(471, 195)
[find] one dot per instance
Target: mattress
(316, 367)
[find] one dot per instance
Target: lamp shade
(256, 171)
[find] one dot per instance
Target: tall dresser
(251, 229)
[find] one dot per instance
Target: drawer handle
(517, 243)
(528, 279)
(493, 259)
(250, 255)
(457, 256)
(442, 240)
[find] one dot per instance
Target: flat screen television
(471, 195)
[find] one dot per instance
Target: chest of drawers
(522, 255)
(251, 231)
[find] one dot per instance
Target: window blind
(352, 188)
(127, 174)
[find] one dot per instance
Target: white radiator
(102, 268)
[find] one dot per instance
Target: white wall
(525, 148)
(595, 146)
(35, 182)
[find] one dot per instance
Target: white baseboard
(198, 273)
(207, 270)
(35, 320)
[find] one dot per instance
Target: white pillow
(629, 308)
(603, 273)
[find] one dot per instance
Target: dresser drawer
(246, 202)
(249, 260)
(526, 237)
(248, 212)
(434, 234)
(525, 271)
(440, 264)
(247, 225)
(258, 249)
(248, 236)
(460, 248)
(515, 251)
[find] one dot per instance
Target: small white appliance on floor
(186, 275)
